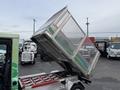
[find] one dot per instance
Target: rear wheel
(77, 87)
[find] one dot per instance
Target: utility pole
(34, 26)
(87, 23)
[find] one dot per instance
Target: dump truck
(9, 44)
(63, 41)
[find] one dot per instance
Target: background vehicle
(29, 52)
(113, 50)
(102, 45)
(20, 48)
(9, 61)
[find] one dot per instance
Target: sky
(16, 16)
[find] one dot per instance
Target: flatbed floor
(38, 67)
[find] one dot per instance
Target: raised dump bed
(62, 39)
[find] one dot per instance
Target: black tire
(35, 55)
(108, 57)
(41, 57)
(33, 62)
(22, 63)
(77, 87)
(44, 58)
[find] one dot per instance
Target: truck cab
(113, 50)
(29, 52)
(8, 61)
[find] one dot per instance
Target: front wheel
(22, 63)
(108, 56)
(77, 87)
(33, 62)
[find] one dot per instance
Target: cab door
(5, 63)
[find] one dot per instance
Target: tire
(41, 57)
(77, 87)
(44, 58)
(108, 56)
(33, 62)
(22, 63)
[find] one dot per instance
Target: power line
(103, 32)
(20, 31)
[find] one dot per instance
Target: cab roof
(8, 35)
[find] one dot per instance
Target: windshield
(115, 45)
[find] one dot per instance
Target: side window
(3, 51)
(5, 63)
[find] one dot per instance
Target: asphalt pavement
(38, 67)
(105, 77)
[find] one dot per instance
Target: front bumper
(26, 61)
(115, 55)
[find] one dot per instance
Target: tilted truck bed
(62, 39)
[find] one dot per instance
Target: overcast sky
(104, 15)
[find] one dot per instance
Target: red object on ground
(92, 39)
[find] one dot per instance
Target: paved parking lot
(38, 67)
(106, 76)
